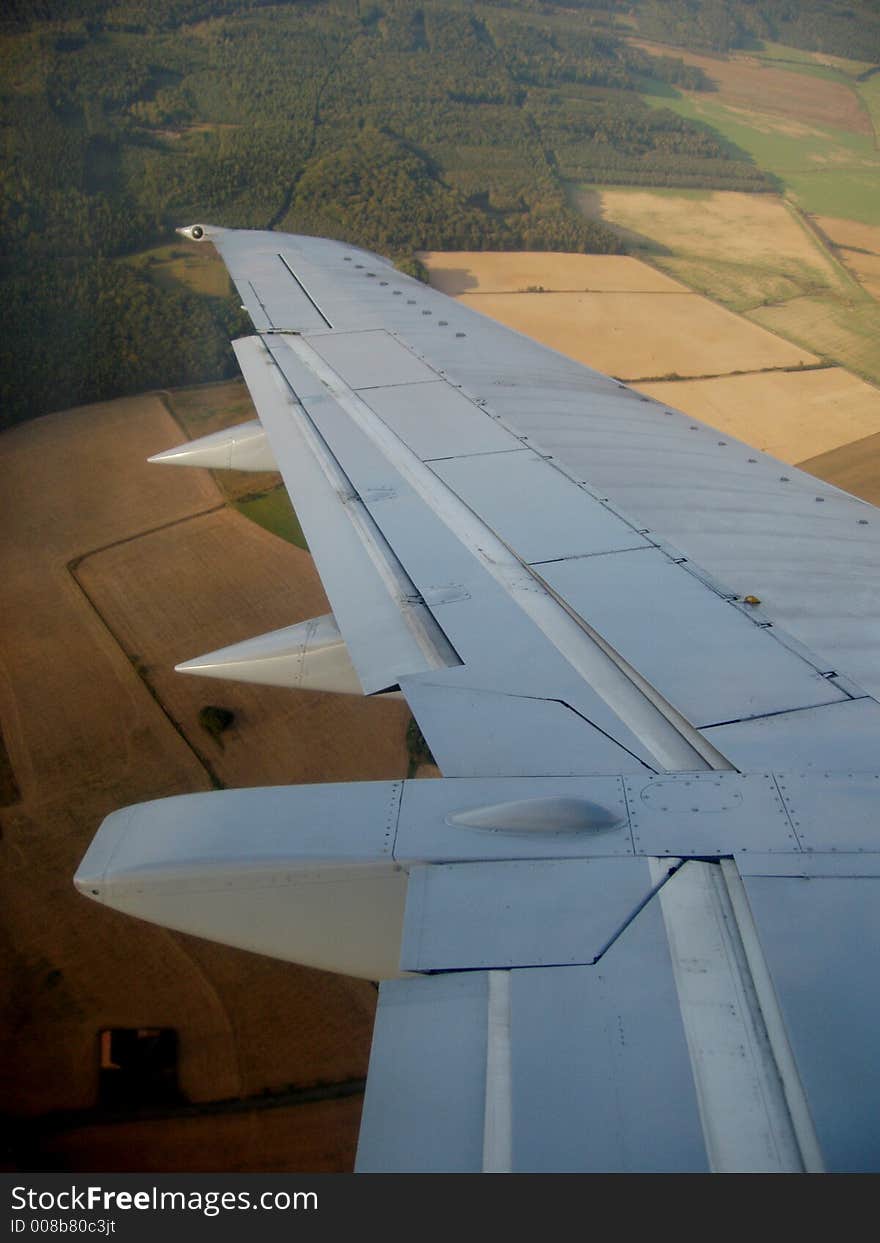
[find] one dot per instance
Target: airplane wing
(629, 928)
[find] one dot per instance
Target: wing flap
(758, 525)
(563, 1069)
(534, 913)
(386, 627)
(814, 930)
(703, 655)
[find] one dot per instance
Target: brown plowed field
(854, 467)
(85, 734)
(169, 595)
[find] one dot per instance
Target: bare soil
(92, 529)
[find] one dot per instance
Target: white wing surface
(623, 922)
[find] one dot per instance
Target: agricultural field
(857, 246)
(166, 614)
(756, 254)
(854, 467)
(630, 334)
(259, 495)
(799, 123)
(846, 331)
(820, 416)
(803, 91)
(189, 267)
(114, 571)
(791, 414)
(742, 249)
(527, 271)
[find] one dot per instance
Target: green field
(208, 408)
(829, 172)
(800, 61)
(843, 330)
(274, 511)
(198, 270)
(870, 94)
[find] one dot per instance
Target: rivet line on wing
(676, 745)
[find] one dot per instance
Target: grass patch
(830, 172)
(799, 61)
(273, 511)
(869, 92)
(198, 269)
(742, 286)
(846, 330)
(207, 408)
(417, 748)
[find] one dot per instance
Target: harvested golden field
(754, 84)
(858, 247)
(854, 467)
(509, 272)
(85, 734)
(642, 335)
(793, 415)
(741, 248)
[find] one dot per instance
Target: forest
(441, 125)
(849, 28)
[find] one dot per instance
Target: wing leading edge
(477, 507)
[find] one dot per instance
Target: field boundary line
(814, 232)
(139, 670)
(672, 378)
